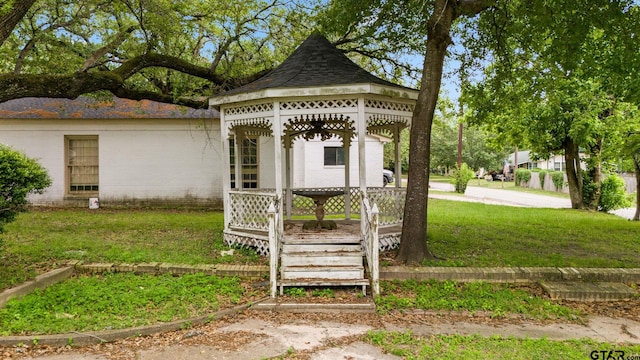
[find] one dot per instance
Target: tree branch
(93, 59)
(149, 95)
(15, 86)
(472, 7)
(9, 20)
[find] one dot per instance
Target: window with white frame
(333, 155)
(248, 163)
(82, 173)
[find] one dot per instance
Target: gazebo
(317, 93)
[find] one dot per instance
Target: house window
(82, 164)
(558, 166)
(248, 163)
(333, 156)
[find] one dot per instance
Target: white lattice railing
(302, 205)
(248, 210)
(275, 241)
(390, 203)
(370, 243)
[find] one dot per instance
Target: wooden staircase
(322, 258)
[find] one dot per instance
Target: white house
(129, 152)
(525, 160)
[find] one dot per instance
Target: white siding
(154, 159)
(310, 170)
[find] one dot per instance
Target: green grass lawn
(43, 238)
(474, 234)
(495, 299)
(115, 301)
(410, 346)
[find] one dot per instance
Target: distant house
(130, 152)
(526, 161)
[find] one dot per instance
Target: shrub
(542, 174)
(461, 177)
(613, 195)
(558, 179)
(522, 175)
(589, 188)
(19, 177)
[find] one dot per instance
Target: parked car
(387, 177)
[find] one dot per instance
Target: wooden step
(352, 272)
(313, 238)
(323, 282)
(322, 258)
(320, 248)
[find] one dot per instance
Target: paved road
(512, 198)
(500, 197)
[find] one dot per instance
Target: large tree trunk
(636, 163)
(413, 244)
(596, 176)
(10, 19)
(574, 174)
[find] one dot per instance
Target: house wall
(311, 172)
(163, 160)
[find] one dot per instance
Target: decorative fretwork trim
(319, 104)
(248, 109)
(385, 124)
(325, 126)
(251, 127)
(388, 105)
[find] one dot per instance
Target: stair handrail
(275, 236)
(371, 243)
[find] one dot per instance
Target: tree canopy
(169, 51)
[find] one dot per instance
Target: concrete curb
(40, 282)
(98, 337)
(511, 275)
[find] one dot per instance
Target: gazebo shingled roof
(315, 63)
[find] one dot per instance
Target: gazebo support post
(346, 145)
(361, 130)
(289, 195)
(237, 149)
(226, 171)
(398, 165)
(277, 151)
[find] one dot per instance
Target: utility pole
(463, 79)
(460, 127)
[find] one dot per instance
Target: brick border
(98, 337)
(511, 275)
